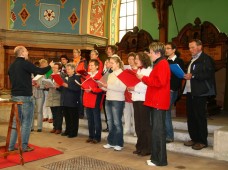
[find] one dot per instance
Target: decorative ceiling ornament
(97, 17)
(13, 16)
(73, 18)
(49, 14)
(62, 3)
(37, 2)
(114, 10)
(12, 3)
(24, 15)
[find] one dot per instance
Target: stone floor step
(179, 134)
(183, 135)
(182, 124)
(180, 148)
(176, 146)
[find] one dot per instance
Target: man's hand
(188, 76)
(51, 64)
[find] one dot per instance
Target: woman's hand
(65, 85)
(130, 88)
(139, 76)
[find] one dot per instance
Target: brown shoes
(89, 140)
(58, 132)
(50, 120)
(189, 143)
(194, 145)
(53, 131)
(199, 146)
(45, 119)
(136, 152)
(94, 141)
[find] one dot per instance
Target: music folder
(129, 78)
(88, 83)
(176, 69)
(48, 82)
(58, 79)
(82, 72)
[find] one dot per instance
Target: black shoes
(39, 130)
(81, 116)
(105, 130)
(169, 140)
(64, 134)
(72, 136)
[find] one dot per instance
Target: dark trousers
(81, 107)
(142, 127)
(57, 117)
(72, 119)
(197, 119)
(106, 120)
(158, 153)
(94, 122)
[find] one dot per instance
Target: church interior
(51, 28)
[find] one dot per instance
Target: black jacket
(203, 76)
(70, 97)
(20, 74)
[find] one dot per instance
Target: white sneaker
(118, 148)
(107, 146)
(150, 163)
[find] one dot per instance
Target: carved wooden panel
(138, 40)
(214, 42)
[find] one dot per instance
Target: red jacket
(94, 98)
(158, 86)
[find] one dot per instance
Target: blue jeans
(114, 110)
(168, 120)
(38, 110)
(25, 112)
(94, 123)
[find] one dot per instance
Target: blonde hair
(18, 51)
(78, 50)
(117, 59)
(158, 47)
(43, 61)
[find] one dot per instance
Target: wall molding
(50, 40)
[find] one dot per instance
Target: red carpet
(36, 154)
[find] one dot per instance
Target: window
(128, 17)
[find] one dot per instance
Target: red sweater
(90, 99)
(158, 86)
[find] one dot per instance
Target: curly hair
(145, 59)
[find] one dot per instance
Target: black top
(70, 96)
(175, 82)
(20, 73)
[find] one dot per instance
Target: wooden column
(162, 7)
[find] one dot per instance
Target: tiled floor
(78, 147)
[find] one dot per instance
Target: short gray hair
(71, 65)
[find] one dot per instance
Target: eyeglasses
(168, 48)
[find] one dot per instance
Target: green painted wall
(214, 11)
(149, 19)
